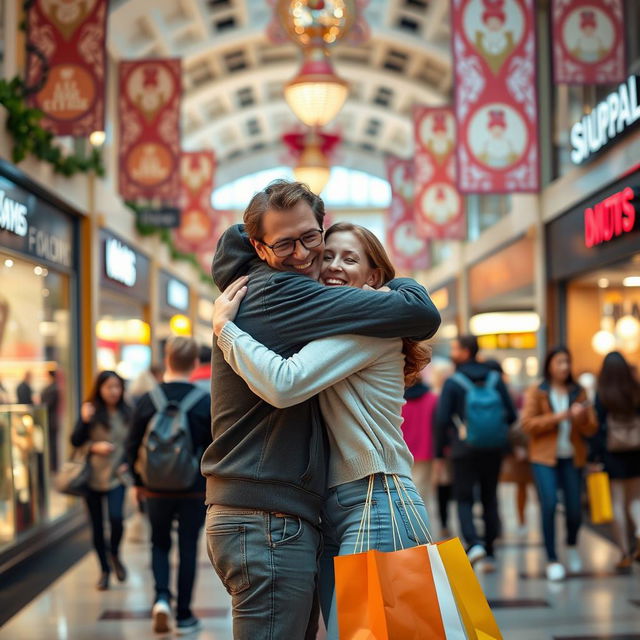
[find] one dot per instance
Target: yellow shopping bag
(599, 493)
(472, 604)
(387, 596)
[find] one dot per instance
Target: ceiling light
(313, 167)
(8, 263)
(631, 281)
(603, 342)
(97, 138)
(316, 94)
(603, 283)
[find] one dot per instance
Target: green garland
(29, 136)
(165, 236)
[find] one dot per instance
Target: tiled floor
(598, 606)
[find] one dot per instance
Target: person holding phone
(557, 417)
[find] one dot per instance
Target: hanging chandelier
(316, 94)
(312, 151)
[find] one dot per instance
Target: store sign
(120, 262)
(165, 218)
(13, 215)
(608, 120)
(30, 225)
(177, 294)
(611, 218)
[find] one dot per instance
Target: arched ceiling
(234, 76)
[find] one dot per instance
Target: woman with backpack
(557, 417)
(102, 430)
(616, 446)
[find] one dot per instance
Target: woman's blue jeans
(341, 522)
(563, 476)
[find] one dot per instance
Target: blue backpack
(484, 416)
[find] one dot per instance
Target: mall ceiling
(234, 76)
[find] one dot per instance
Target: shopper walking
(418, 419)
(50, 398)
(171, 428)
(472, 422)
(618, 410)
(361, 381)
(102, 430)
(24, 391)
(267, 460)
(557, 417)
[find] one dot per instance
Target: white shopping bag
(453, 627)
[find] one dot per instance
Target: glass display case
(24, 465)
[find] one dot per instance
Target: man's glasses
(285, 248)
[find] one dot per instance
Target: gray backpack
(166, 459)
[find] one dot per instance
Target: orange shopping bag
(599, 493)
(473, 607)
(387, 596)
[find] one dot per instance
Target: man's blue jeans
(563, 476)
(341, 523)
(268, 564)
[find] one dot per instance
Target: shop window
(483, 211)
(226, 24)
(37, 369)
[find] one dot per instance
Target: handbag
(623, 433)
(74, 475)
(599, 494)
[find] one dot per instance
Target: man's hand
(226, 306)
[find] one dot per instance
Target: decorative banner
(197, 220)
(589, 41)
(496, 99)
(149, 117)
(222, 221)
(408, 251)
(66, 62)
(439, 208)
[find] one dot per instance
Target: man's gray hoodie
(276, 459)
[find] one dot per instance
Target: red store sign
(613, 217)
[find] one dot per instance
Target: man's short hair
(181, 352)
(281, 195)
(470, 343)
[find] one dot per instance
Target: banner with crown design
(496, 102)
(66, 64)
(589, 42)
(196, 232)
(149, 131)
(407, 250)
(439, 208)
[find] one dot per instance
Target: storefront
(594, 264)
(39, 359)
(174, 305)
(501, 299)
(123, 332)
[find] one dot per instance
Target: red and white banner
(439, 208)
(66, 54)
(149, 125)
(197, 219)
(494, 52)
(407, 250)
(588, 41)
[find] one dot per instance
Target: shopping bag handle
(401, 489)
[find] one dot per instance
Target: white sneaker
(475, 553)
(522, 531)
(574, 561)
(556, 572)
(161, 616)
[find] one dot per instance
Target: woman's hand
(101, 448)
(384, 288)
(87, 411)
(226, 306)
